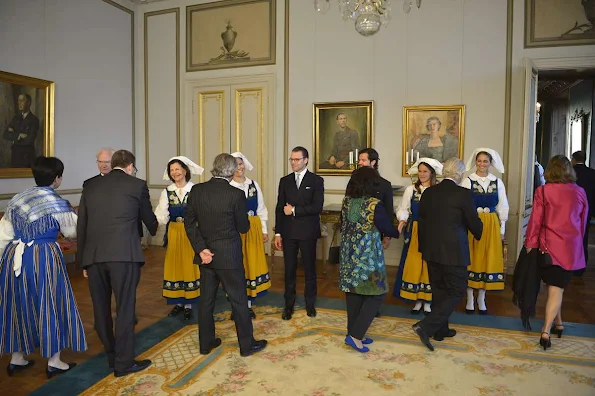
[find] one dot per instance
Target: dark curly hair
(364, 182)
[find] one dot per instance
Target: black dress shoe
(213, 345)
(423, 337)
(252, 314)
(442, 336)
(135, 320)
(483, 311)
(139, 365)
(257, 346)
(416, 311)
(11, 369)
(51, 371)
(187, 313)
(311, 312)
(287, 313)
(177, 309)
(469, 311)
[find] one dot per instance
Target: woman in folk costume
(181, 277)
(486, 271)
(37, 305)
(255, 263)
(412, 283)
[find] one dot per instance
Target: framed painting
(231, 33)
(341, 129)
(559, 22)
(26, 123)
(432, 131)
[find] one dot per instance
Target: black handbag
(544, 259)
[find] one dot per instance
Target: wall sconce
(537, 110)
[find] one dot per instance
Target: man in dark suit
(104, 163)
(216, 215)
(110, 251)
(297, 227)
(446, 215)
(585, 177)
(22, 131)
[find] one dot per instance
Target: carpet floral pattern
(307, 356)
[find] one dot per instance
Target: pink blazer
(558, 225)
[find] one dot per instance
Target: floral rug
(307, 356)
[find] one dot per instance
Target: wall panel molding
(204, 100)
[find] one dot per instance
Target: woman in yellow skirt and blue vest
(412, 283)
(486, 271)
(181, 277)
(258, 280)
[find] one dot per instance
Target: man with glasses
(109, 249)
(297, 227)
(104, 163)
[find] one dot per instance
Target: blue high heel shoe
(349, 341)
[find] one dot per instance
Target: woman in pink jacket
(557, 225)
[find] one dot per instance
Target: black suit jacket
(90, 179)
(585, 177)
(216, 214)
(385, 194)
(109, 213)
(308, 202)
(446, 214)
(28, 126)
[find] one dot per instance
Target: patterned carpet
(307, 356)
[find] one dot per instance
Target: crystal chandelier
(369, 15)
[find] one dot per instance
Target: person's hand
(332, 160)
(278, 242)
(10, 129)
(265, 238)
(85, 274)
(401, 226)
(340, 164)
(528, 249)
(385, 242)
(288, 209)
(22, 136)
(206, 256)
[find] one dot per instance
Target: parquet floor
(579, 301)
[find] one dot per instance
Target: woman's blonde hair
(559, 170)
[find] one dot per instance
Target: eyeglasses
(295, 159)
(104, 162)
(134, 170)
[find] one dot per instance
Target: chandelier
(369, 15)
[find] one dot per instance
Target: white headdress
(194, 169)
(247, 163)
(496, 160)
(435, 164)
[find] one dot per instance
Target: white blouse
(162, 209)
(261, 210)
(502, 206)
(403, 211)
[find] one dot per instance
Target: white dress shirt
(261, 210)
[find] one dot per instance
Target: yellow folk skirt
(486, 270)
(181, 277)
(255, 263)
(416, 282)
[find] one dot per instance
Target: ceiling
(554, 84)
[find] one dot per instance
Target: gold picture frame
(421, 122)
(26, 123)
(551, 23)
(340, 130)
(231, 33)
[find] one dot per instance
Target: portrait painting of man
(341, 130)
(25, 126)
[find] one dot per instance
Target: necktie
(297, 180)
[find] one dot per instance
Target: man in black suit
(104, 163)
(297, 227)
(216, 215)
(446, 214)
(585, 177)
(110, 251)
(22, 131)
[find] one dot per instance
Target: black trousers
(234, 284)
(449, 286)
(290, 257)
(361, 310)
(121, 278)
(586, 249)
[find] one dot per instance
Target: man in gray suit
(216, 215)
(109, 248)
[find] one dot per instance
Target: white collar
(475, 177)
(186, 188)
(302, 173)
(245, 183)
(26, 114)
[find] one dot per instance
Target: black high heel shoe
(545, 342)
(11, 369)
(51, 371)
(558, 329)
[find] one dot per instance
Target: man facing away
(446, 214)
(585, 178)
(216, 215)
(104, 163)
(109, 248)
(297, 227)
